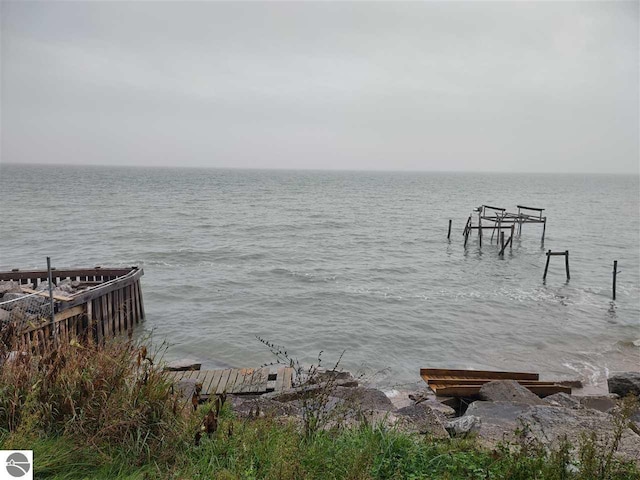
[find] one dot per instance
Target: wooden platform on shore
(238, 381)
(467, 383)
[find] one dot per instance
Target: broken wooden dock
(499, 220)
(467, 383)
(238, 381)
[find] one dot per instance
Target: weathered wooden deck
(238, 380)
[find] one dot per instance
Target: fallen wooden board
(427, 373)
(472, 391)
(480, 381)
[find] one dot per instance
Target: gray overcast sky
(453, 86)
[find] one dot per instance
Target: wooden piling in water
(449, 232)
(546, 267)
(615, 273)
(566, 263)
(513, 228)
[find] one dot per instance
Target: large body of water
(349, 261)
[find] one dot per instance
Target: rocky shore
(504, 411)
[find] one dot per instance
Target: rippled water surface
(348, 261)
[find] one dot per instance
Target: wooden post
(449, 232)
(546, 267)
(544, 228)
(513, 228)
(615, 272)
(566, 263)
(501, 241)
(480, 230)
(466, 237)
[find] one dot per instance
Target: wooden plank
(260, 383)
(139, 287)
(472, 391)
(428, 372)
(206, 381)
(222, 386)
(118, 311)
(247, 380)
(233, 378)
(213, 388)
(280, 379)
(288, 378)
(71, 312)
(478, 381)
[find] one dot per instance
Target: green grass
(271, 449)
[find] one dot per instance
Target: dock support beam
(449, 232)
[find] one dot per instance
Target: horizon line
(303, 169)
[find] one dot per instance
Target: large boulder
(624, 383)
(496, 418)
(420, 418)
(508, 391)
(552, 425)
(364, 398)
(4, 315)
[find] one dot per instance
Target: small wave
(304, 277)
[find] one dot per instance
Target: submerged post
(566, 263)
(449, 232)
(546, 267)
(615, 272)
(544, 228)
(501, 242)
(52, 315)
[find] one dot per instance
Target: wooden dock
(238, 381)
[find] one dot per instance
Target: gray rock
(497, 418)
(420, 418)
(9, 286)
(602, 403)
(4, 315)
(508, 391)
(365, 398)
(551, 425)
(183, 365)
(624, 383)
(563, 400)
(11, 296)
(464, 426)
